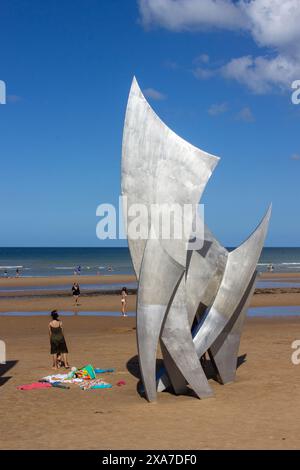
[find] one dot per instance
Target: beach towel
(75, 376)
(60, 385)
(97, 383)
(55, 378)
(65, 378)
(86, 372)
(34, 385)
(100, 386)
(121, 382)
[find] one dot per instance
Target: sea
(32, 262)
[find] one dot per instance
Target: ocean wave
(278, 264)
(10, 267)
(287, 264)
(65, 267)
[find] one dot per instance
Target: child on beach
(59, 361)
(58, 345)
(76, 292)
(124, 294)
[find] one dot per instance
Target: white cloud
(203, 74)
(217, 109)
(273, 24)
(154, 94)
(245, 114)
(201, 59)
(178, 15)
(262, 74)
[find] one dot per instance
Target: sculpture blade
(239, 270)
(224, 351)
(158, 167)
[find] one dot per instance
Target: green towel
(90, 370)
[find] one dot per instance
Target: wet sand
(64, 280)
(274, 276)
(48, 303)
(96, 301)
(112, 303)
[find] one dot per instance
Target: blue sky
(219, 83)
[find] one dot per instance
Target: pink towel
(121, 382)
(34, 385)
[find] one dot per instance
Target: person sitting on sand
(124, 294)
(57, 341)
(59, 361)
(76, 292)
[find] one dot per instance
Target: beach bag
(86, 372)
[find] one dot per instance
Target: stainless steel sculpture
(179, 286)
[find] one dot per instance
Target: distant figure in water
(58, 345)
(17, 272)
(78, 270)
(270, 268)
(124, 294)
(76, 292)
(6, 273)
(109, 268)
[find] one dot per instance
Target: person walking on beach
(124, 294)
(17, 272)
(57, 341)
(76, 292)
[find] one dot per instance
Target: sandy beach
(64, 280)
(43, 300)
(258, 411)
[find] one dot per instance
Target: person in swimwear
(124, 294)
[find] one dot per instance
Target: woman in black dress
(76, 292)
(57, 341)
